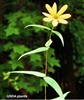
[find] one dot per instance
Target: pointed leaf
(44, 27)
(35, 73)
(58, 98)
(40, 26)
(62, 97)
(48, 43)
(40, 49)
(59, 35)
(65, 94)
(54, 85)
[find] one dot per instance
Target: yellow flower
(54, 16)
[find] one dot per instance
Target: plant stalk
(46, 62)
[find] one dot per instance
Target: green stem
(46, 61)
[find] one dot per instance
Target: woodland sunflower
(54, 16)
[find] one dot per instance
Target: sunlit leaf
(65, 94)
(6, 75)
(58, 98)
(40, 26)
(16, 88)
(62, 97)
(55, 32)
(59, 35)
(35, 73)
(16, 78)
(48, 43)
(40, 49)
(54, 85)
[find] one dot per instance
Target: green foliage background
(15, 40)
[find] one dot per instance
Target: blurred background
(65, 65)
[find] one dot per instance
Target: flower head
(54, 16)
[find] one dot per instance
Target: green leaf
(30, 89)
(37, 64)
(59, 35)
(48, 43)
(12, 24)
(26, 19)
(21, 82)
(12, 17)
(53, 84)
(11, 30)
(16, 88)
(40, 26)
(65, 94)
(35, 73)
(35, 57)
(8, 46)
(40, 49)
(55, 32)
(51, 69)
(20, 49)
(13, 55)
(61, 97)
(42, 82)
(6, 75)
(15, 63)
(16, 78)
(52, 61)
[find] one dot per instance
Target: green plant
(15, 40)
(55, 18)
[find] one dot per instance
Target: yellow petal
(62, 10)
(46, 19)
(49, 9)
(65, 16)
(54, 22)
(63, 21)
(46, 14)
(54, 8)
